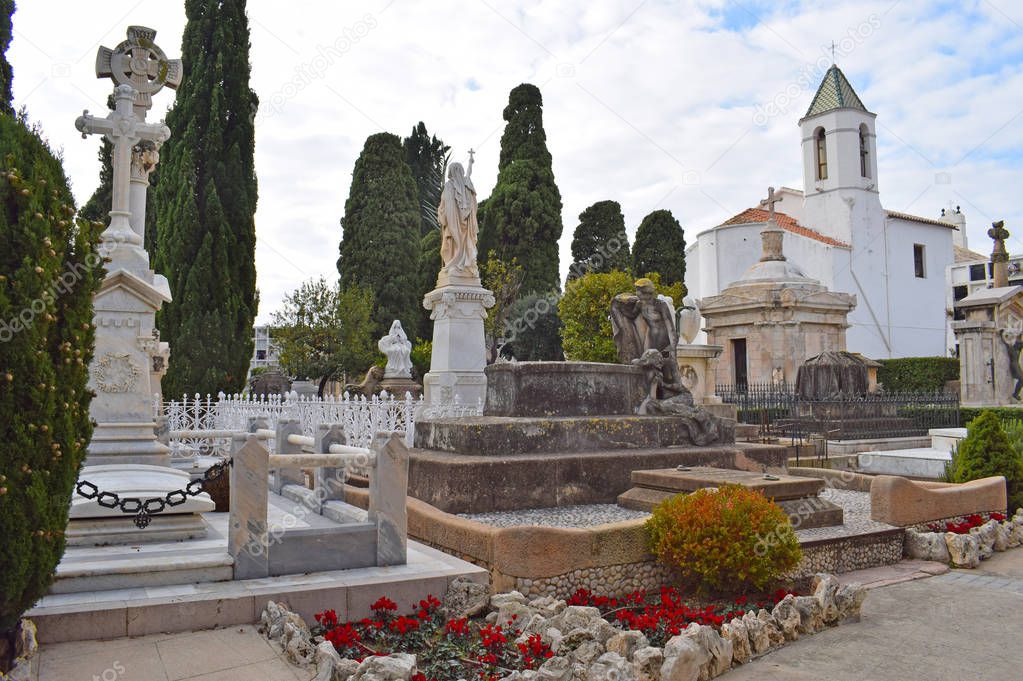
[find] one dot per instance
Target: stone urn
(688, 320)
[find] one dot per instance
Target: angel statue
(456, 214)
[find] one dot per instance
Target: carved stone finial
(140, 63)
(999, 256)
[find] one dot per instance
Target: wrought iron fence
(780, 411)
(360, 417)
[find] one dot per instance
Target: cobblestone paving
(566, 516)
(856, 508)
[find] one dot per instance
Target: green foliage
(49, 271)
(429, 267)
(322, 331)
(380, 241)
(427, 157)
(422, 353)
(917, 374)
(730, 540)
(6, 74)
(660, 247)
(600, 243)
(533, 329)
(504, 279)
(985, 452)
(585, 312)
(206, 202)
(1004, 414)
(522, 216)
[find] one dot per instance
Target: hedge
(917, 374)
(1004, 414)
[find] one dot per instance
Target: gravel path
(855, 504)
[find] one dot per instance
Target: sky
(690, 106)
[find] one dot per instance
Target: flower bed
(966, 524)
(964, 542)
(589, 634)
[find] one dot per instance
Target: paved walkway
(959, 626)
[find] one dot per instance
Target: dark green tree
(533, 329)
(600, 243)
(429, 267)
(205, 204)
(660, 247)
(49, 272)
(427, 157)
(6, 74)
(380, 233)
(522, 220)
(986, 452)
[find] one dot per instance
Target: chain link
(145, 509)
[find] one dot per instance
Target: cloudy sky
(690, 106)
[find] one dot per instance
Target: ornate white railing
(360, 417)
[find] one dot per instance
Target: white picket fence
(360, 417)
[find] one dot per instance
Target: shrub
(1005, 414)
(422, 353)
(46, 342)
(733, 540)
(917, 374)
(533, 329)
(986, 451)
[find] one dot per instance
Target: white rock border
(586, 646)
(966, 550)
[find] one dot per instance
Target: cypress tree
(522, 220)
(206, 200)
(6, 74)
(49, 272)
(600, 243)
(380, 233)
(660, 247)
(427, 157)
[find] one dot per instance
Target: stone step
(921, 463)
(777, 487)
(125, 568)
(499, 436)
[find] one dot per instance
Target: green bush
(987, 451)
(917, 374)
(422, 353)
(731, 540)
(49, 271)
(1004, 414)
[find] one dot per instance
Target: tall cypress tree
(427, 156)
(522, 219)
(206, 200)
(660, 247)
(6, 74)
(380, 237)
(600, 243)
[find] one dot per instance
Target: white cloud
(649, 103)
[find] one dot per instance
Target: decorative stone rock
(926, 546)
(465, 598)
(524, 675)
(587, 653)
(626, 643)
(274, 618)
(736, 633)
(825, 588)
(775, 634)
(683, 659)
(647, 663)
(985, 535)
(556, 669)
(497, 600)
(1015, 531)
(1001, 535)
(720, 650)
(513, 612)
(327, 662)
(298, 648)
(396, 667)
(811, 615)
(548, 606)
(583, 623)
(611, 666)
(964, 549)
(756, 629)
(787, 617)
(850, 599)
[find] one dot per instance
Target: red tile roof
(786, 222)
(918, 218)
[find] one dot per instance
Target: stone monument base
(459, 347)
(112, 531)
(397, 387)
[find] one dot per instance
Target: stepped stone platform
(797, 496)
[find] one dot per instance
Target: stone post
(247, 538)
(999, 256)
(287, 476)
(329, 482)
(388, 487)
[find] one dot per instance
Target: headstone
(459, 304)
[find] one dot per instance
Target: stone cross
(139, 62)
(124, 130)
(999, 256)
(770, 201)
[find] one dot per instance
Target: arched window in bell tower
(864, 152)
(822, 154)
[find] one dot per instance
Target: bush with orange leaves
(732, 540)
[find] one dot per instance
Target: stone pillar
(459, 346)
(247, 539)
(989, 341)
(388, 487)
(697, 364)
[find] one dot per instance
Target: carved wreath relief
(116, 373)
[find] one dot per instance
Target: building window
(260, 354)
(822, 154)
(977, 272)
(918, 261)
(864, 152)
(958, 293)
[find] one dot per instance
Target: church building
(839, 234)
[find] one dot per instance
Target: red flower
(459, 627)
(403, 625)
(345, 636)
(384, 603)
(327, 618)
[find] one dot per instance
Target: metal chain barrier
(145, 509)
